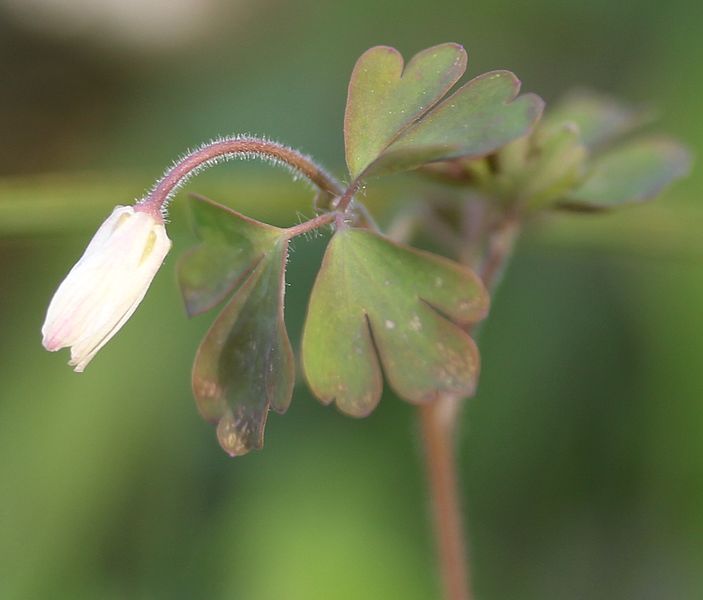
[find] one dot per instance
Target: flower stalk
(236, 147)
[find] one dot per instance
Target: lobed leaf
(378, 304)
(384, 98)
(244, 366)
(632, 173)
(477, 119)
(393, 120)
(231, 244)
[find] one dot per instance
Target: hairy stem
(307, 226)
(348, 195)
(231, 148)
(438, 421)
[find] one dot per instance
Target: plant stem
(440, 460)
(314, 223)
(348, 195)
(241, 147)
(500, 248)
(438, 421)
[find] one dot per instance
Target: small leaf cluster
(376, 306)
(379, 309)
(582, 156)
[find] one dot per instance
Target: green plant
(379, 309)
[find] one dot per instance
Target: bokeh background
(582, 455)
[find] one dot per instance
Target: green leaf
(380, 304)
(600, 119)
(480, 117)
(393, 121)
(384, 98)
(632, 173)
(231, 245)
(244, 366)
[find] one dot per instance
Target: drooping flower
(106, 285)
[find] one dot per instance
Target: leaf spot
(207, 388)
(230, 437)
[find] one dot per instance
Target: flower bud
(106, 285)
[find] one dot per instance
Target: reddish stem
(305, 227)
(348, 195)
(438, 420)
(236, 147)
(440, 460)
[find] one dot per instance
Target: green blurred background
(582, 455)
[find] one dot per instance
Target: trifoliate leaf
(381, 305)
(393, 121)
(244, 366)
(384, 97)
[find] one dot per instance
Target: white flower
(106, 285)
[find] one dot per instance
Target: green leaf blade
(384, 98)
(632, 173)
(347, 373)
(231, 245)
(396, 306)
(480, 117)
(244, 366)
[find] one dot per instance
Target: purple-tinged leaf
(231, 244)
(244, 366)
(393, 121)
(480, 117)
(384, 97)
(377, 304)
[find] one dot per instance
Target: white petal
(106, 285)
